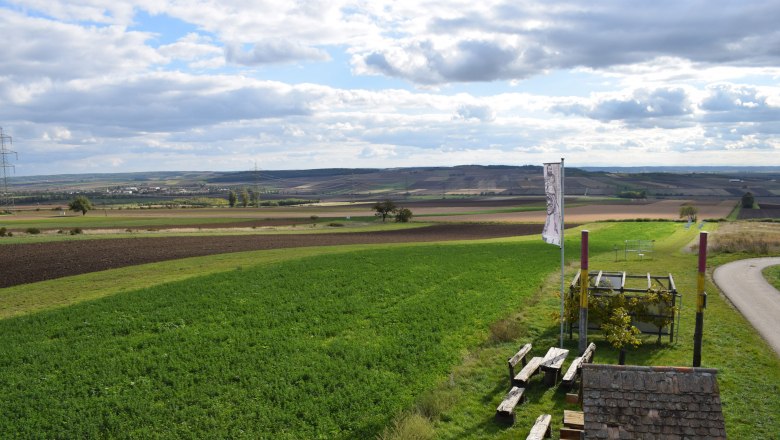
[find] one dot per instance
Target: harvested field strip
(322, 226)
(121, 221)
(27, 263)
(292, 350)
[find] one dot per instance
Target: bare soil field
(27, 263)
(665, 209)
(767, 211)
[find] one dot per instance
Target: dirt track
(27, 263)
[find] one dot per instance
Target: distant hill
(430, 182)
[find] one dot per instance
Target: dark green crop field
(325, 347)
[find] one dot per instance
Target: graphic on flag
(552, 189)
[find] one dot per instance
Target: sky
(98, 86)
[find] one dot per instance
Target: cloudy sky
(141, 85)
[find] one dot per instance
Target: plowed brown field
(27, 263)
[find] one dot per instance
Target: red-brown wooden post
(700, 300)
(584, 284)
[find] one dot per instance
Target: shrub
(403, 215)
(433, 404)
(76, 231)
(335, 224)
(3, 231)
(748, 200)
(32, 231)
(314, 218)
(506, 330)
(409, 427)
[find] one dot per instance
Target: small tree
(383, 209)
(80, 204)
(688, 211)
(619, 332)
(254, 198)
(232, 198)
(244, 196)
(403, 215)
(748, 200)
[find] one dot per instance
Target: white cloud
(381, 83)
(273, 51)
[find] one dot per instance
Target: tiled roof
(631, 402)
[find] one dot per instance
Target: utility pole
(6, 201)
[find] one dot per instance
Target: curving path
(742, 282)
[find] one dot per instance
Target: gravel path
(743, 283)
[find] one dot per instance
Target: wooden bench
(518, 358)
(576, 366)
(541, 428)
(573, 425)
(531, 368)
(552, 364)
(506, 410)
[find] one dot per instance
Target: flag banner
(552, 189)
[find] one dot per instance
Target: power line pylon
(6, 201)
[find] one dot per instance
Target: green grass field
(336, 343)
(772, 274)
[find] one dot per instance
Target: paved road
(743, 283)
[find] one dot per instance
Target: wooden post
(584, 284)
(700, 304)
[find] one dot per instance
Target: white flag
(552, 189)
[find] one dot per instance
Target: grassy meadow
(772, 274)
(342, 342)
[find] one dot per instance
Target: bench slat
(554, 358)
(574, 369)
(573, 419)
(506, 409)
(541, 428)
(531, 368)
(587, 355)
(571, 373)
(519, 356)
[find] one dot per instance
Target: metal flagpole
(563, 226)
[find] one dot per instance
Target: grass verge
(749, 371)
(772, 275)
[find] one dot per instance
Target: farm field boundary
(26, 263)
(65, 291)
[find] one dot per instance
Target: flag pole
(563, 226)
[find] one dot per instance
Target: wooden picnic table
(552, 364)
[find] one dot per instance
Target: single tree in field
(244, 197)
(688, 211)
(232, 198)
(403, 215)
(748, 200)
(80, 203)
(383, 209)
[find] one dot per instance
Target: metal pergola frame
(604, 283)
